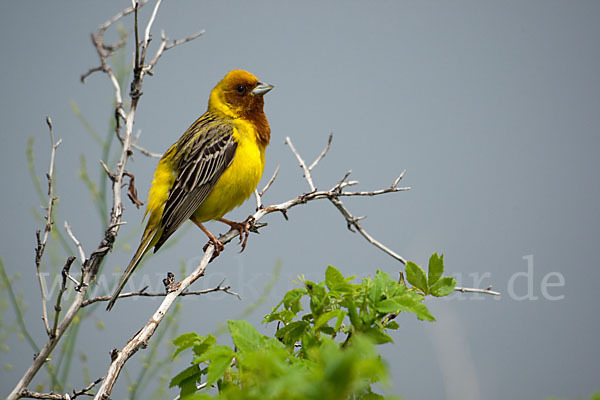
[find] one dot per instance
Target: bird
(214, 167)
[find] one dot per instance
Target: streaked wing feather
(199, 170)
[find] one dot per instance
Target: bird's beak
(262, 88)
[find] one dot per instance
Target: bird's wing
(206, 155)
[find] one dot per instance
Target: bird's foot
(218, 245)
(242, 227)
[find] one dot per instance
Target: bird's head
(238, 94)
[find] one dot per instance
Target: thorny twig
(90, 265)
(54, 396)
(143, 293)
(42, 240)
(334, 194)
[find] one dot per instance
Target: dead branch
(42, 240)
(474, 290)
(77, 242)
(27, 394)
(90, 265)
(143, 293)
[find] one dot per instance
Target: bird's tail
(146, 244)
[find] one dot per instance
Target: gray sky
(493, 108)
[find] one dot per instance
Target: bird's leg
(242, 227)
(212, 238)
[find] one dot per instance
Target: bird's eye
(241, 88)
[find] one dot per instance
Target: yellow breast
(239, 180)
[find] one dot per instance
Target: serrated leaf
(416, 276)
(245, 336)
(219, 358)
(186, 341)
(436, 268)
(423, 312)
(443, 287)
(412, 303)
(204, 345)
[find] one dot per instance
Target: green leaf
(416, 276)
(185, 341)
(333, 277)
(201, 347)
(292, 332)
(387, 306)
(245, 336)
(436, 268)
(318, 297)
(325, 317)
(193, 371)
(291, 300)
(348, 302)
(220, 358)
(412, 303)
(392, 325)
(188, 387)
(378, 336)
(443, 287)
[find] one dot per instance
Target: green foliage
(432, 283)
(325, 352)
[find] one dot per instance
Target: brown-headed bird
(213, 167)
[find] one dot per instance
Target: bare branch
(323, 153)
(306, 170)
(42, 240)
(268, 185)
(258, 195)
(77, 243)
(395, 184)
(143, 293)
(150, 22)
(63, 287)
(472, 290)
(145, 151)
(107, 170)
(164, 46)
(120, 15)
(54, 396)
(187, 39)
(91, 265)
(352, 221)
(141, 338)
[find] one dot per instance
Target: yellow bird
(213, 167)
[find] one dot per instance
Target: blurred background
(493, 108)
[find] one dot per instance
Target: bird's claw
(217, 244)
(244, 229)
